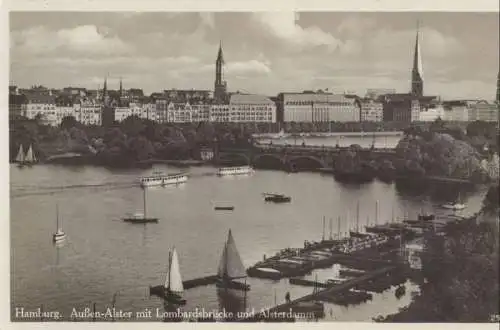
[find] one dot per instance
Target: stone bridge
(292, 157)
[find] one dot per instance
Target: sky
(265, 52)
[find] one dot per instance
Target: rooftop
(250, 99)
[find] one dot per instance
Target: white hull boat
(234, 170)
(159, 179)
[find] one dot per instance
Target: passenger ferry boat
(234, 170)
(161, 179)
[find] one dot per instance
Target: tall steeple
(220, 85)
(121, 87)
(417, 77)
(105, 89)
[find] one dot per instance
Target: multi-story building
(456, 110)
(317, 107)
(42, 106)
(219, 112)
(432, 112)
(200, 112)
(251, 108)
(16, 102)
(371, 110)
(401, 107)
(88, 113)
(134, 109)
(483, 111)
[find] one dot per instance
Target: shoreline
(326, 134)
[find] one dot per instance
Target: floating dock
(320, 295)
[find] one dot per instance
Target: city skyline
(268, 53)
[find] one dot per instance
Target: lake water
(104, 256)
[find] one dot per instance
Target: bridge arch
(307, 162)
(268, 160)
(234, 157)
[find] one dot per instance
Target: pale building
(456, 111)
(133, 109)
(371, 110)
(432, 113)
(251, 108)
(64, 111)
(317, 107)
(219, 112)
(88, 113)
(483, 111)
(42, 106)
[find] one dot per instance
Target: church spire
(220, 85)
(417, 78)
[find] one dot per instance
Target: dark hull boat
(358, 234)
(161, 292)
(354, 176)
(141, 218)
(224, 208)
(231, 268)
(426, 217)
(173, 288)
(137, 219)
(277, 198)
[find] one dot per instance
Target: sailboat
(30, 157)
(173, 288)
(59, 235)
(139, 217)
(231, 267)
(20, 156)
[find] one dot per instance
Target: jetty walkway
(335, 288)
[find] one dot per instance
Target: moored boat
(277, 198)
(173, 288)
(59, 235)
(234, 170)
(231, 267)
(140, 217)
(224, 208)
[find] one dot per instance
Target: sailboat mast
(144, 201)
(323, 236)
(338, 226)
(57, 216)
(357, 217)
(331, 237)
(169, 268)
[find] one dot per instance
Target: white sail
(174, 278)
(20, 154)
(231, 265)
(29, 155)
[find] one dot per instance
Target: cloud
(208, 19)
(249, 68)
(85, 40)
(283, 25)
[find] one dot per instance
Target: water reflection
(231, 301)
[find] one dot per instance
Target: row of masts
(339, 221)
(26, 158)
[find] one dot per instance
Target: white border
(189, 5)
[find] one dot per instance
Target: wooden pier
(287, 307)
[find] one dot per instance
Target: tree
(68, 122)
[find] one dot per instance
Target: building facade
(483, 111)
(371, 110)
(219, 113)
(428, 114)
(88, 113)
(456, 111)
(248, 108)
(317, 107)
